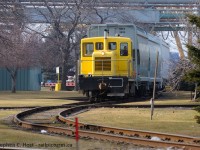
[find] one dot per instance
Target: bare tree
(17, 53)
(178, 71)
(63, 21)
(17, 49)
(65, 24)
(104, 12)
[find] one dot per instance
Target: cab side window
(99, 46)
(112, 45)
(88, 49)
(123, 49)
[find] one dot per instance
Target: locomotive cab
(105, 66)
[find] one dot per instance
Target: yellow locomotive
(106, 66)
(122, 65)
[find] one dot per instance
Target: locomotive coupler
(102, 86)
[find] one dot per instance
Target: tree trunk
(65, 63)
(76, 75)
(13, 90)
(13, 73)
(64, 73)
(195, 92)
(64, 76)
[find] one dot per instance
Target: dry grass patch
(40, 98)
(34, 140)
(177, 121)
(168, 98)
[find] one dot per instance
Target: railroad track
(87, 131)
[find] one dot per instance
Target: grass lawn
(164, 120)
(16, 137)
(177, 121)
(167, 98)
(40, 98)
(26, 139)
(29, 139)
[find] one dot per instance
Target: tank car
(121, 62)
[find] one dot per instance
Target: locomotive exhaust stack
(106, 33)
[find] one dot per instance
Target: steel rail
(117, 137)
(136, 133)
(104, 136)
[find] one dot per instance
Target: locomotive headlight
(102, 53)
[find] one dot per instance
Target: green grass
(40, 98)
(177, 121)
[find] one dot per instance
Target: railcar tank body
(138, 66)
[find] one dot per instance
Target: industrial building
(27, 80)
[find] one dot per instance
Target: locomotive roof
(108, 37)
(133, 31)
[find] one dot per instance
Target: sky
(169, 38)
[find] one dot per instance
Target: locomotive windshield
(124, 49)
(99, 46)
(112, 45)
(88, 49)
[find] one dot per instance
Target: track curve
(105, 133)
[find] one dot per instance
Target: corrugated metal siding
(27, 80)
(34, 79)
(22, 82)
(5, 80)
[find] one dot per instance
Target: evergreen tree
(194, 56)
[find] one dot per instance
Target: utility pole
(154, 85)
